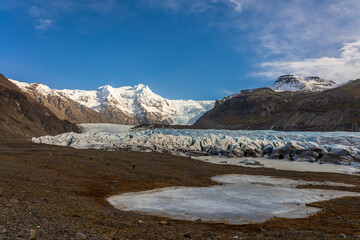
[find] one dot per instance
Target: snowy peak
(129, 104)
(295, 83)
(134, 100)
(41, 88)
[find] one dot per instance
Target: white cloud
(291, 28)
(43, 24)
(237, 5)
(195, 6)
(344, 67)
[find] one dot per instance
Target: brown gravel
(49, 192)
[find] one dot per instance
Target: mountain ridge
(124, 105)
(23, 118)
(334, 109)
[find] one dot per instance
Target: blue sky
(182, 49)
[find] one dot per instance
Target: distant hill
(22, 117)
(335, 109)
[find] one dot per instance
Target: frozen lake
(241, 199)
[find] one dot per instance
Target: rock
(342, 235)
(106, 238)
(80, 235)
(187, 235)
(236, 153)
(164, 223)
(32, 234)
(209, 235)
(14, 201)
(113, 182)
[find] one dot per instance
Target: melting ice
(241, 199)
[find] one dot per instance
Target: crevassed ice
(206, 141)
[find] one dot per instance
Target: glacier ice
(336, 147)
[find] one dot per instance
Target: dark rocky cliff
(336, 109)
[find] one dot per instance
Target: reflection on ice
(240, 199)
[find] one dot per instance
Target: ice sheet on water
(240, 199)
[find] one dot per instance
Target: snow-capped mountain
(295, 83)
(335, 109)
(126, 105)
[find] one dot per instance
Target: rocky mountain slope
(335, 109)
(22, 117)
(124, 105)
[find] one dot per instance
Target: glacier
(240, 199)
(321, 147)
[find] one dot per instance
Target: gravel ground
(50, 192)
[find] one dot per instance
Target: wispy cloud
(342, 68)
(195, 5)
(45, 13)
(292, 28)
(237, 5)
(43, 24)
(281, 28)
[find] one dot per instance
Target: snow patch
(296, 83)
